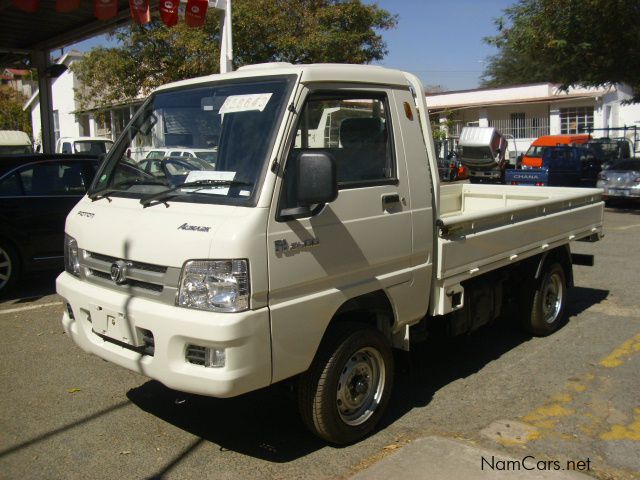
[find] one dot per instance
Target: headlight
(71, 256)
(216, 285)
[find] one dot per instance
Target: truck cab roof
(325, 72)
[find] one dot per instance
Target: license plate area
(116, 326)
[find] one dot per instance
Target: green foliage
(12, 117)
(297, 31)
(570, 42)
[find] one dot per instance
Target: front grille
(156, 282)
(130, 282)
(148, 267)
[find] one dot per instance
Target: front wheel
(9, 267)
(549, 300)
(346, 391)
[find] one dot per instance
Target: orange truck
(533, 157)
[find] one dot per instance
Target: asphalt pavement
(489, 405)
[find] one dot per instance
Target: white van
(14, 142)
(86, 145)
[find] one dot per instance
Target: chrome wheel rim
(552, 297)
(5, 268)
(360, 386)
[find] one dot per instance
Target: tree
(570, 42)
(12, 117)
(297, 31)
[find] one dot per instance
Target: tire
(548, 302)
(347, 389)
(9, 267)
(474, 179)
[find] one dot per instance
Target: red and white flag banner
(105, 9)
(29, 6)
(140, 11)
(196, 12)
(64, 6)
(169, 11)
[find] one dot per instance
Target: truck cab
(483, 150)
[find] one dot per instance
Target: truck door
(357, 244)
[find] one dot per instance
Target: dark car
(36, 194)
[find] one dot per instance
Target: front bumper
(620, 192)
(245, 337)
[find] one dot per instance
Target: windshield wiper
(117, 188)
(164, 195)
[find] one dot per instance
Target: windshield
(14, 150)
(477, 153)
(535, 151)
(231, 125)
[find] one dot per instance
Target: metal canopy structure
(26, 39)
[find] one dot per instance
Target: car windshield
(626, 165)
(236, 122)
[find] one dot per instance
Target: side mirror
(315, 182)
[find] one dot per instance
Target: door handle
(388, 200)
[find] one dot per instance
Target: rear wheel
(548, 302)
(345, 392)
(9, 267)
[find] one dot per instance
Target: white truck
(483, 150)
(305, 262)
(84, 145)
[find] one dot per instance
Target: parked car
(621, 181)
(84, 145)
(14, 142)
(208, 154)
(37, 192)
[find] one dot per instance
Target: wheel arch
(373, 308)
(560, 254)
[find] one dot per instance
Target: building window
(518, 126)
(56, 125)
(576, 120)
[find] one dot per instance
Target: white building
(526, 112)
(68, 119)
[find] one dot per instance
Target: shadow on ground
(265, 424)
(624, 206)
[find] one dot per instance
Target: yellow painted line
(30, 307)
(622, 353)
(625, 432)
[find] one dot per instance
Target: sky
(441, 41)
(438, 40)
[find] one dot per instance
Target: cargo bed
(484, 227)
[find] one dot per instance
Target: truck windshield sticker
(245, 103)
(196, 175)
